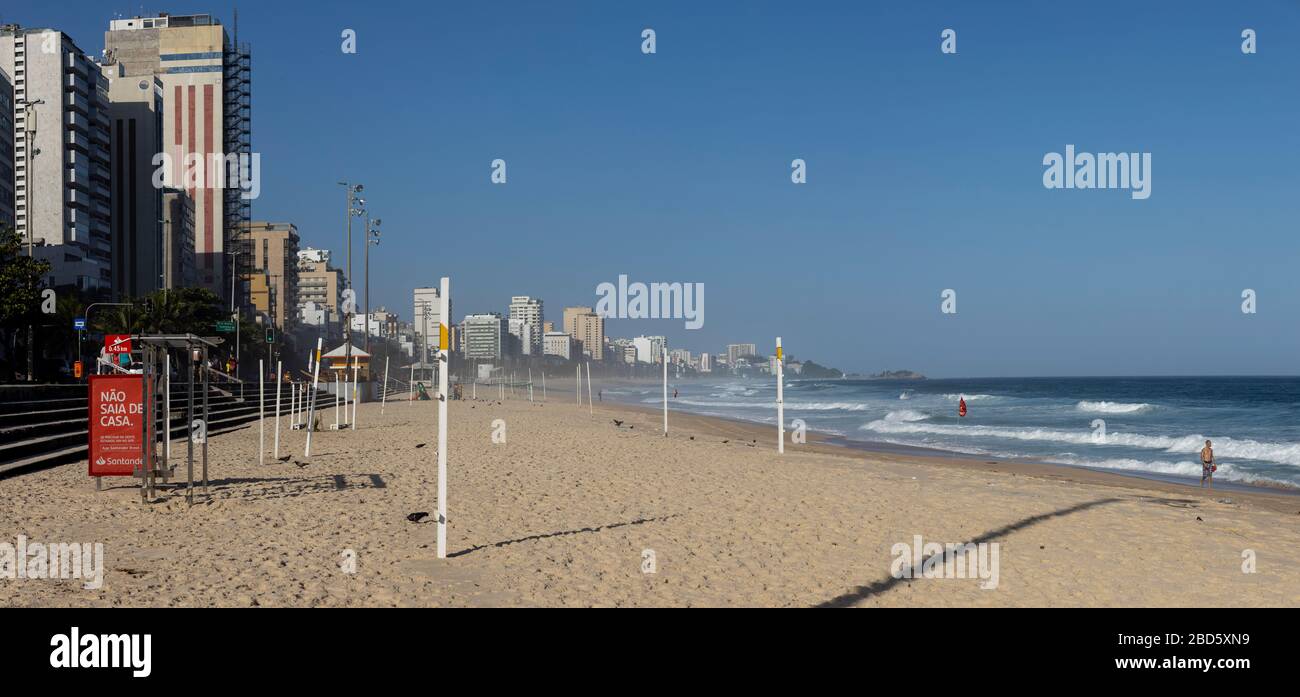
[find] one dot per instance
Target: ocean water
(1152, 425)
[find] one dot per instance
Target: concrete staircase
(46, 425)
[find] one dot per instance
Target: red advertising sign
(117, 343)
(116, 425)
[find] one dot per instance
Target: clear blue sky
(924, 170)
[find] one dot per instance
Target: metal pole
(578, 390)
(167, 406)
(311, 405)
(366, 236)
(665, 357)
(543, 384)
(261, 413)
(206, 421)
(780, 399)
(589, 412)
(278, 375)
(410, 396)
(443, 363)
(189, 442)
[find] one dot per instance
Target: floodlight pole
(444, 362)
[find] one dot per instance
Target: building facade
(6, 150)
(275, 258)
(558, 344)
(206, 85)
(135, 123)
(530, 313)
(61, 155)
(588, 329)
(484, 336)
(426, 315)
(178, 239)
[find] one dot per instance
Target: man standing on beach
(1207, 465)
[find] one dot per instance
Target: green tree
(20, 300)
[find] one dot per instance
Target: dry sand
(560, 514)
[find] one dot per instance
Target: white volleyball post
(543, 384)
(444, 362)
(665, 390)
(311, 405)
(356, 375)
(578, 390)
(780, 399)
(410, 397)
(261, 413)
(530, 385)
(589, 413)
(384, 399)
(278, 374)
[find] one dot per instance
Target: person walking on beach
(1207, 465)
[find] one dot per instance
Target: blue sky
(924, 169)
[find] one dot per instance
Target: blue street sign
(79, 323)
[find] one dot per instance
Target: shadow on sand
(563, 533)
(863, 592)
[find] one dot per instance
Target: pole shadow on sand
(563, 533)
(863, 592)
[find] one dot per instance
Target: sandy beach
(572, 510)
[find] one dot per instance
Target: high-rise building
(520, 339)
(485, 336)
(6, 150)
(587, 328)
(178, 239)
(320, 291)
(705, 365)
(61, 157)
(735, 351)
(135, 123)
(275, 256)
(206, 85)
(529, 312)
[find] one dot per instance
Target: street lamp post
(372, 238)
(29, 113)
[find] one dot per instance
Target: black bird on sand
(617, 422)
(420, 445)
(417, 517)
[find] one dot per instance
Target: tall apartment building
(320, 291)
(275, 259)
(588, 329)
(6, 150)
(61, 154)
(484, 336)
(206, 84)
(735, 351)
(529, 311)
(178, 239)
(136, 126)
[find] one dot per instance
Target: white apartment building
(61, 159)
(528, 311)
(558, 344)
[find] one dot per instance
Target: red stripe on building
(207, 183)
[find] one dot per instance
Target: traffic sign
(117, 343)
(79, 323)
(225, 326)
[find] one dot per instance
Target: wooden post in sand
(444, 363)
(665, 390)
(780, 399)
(261, 413)
(278, 374)
(311, 405)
